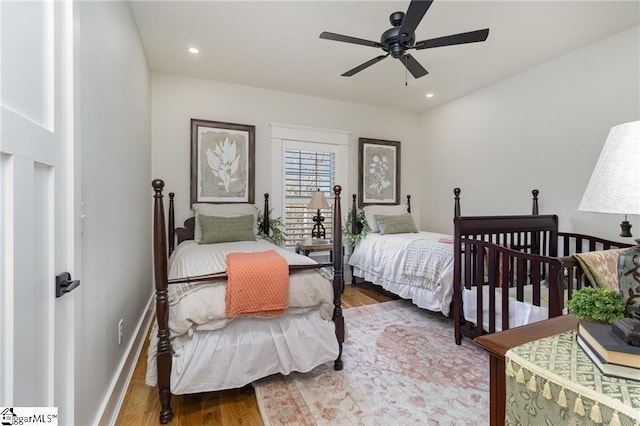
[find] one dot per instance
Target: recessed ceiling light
(194, 50)
(429, 95)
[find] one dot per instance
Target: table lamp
(615, 188)
(318, 202)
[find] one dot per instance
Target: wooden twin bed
(196, 345)
(494, 272)
(414, 265)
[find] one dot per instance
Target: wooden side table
(498, 344)
(307, 248)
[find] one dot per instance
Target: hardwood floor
(225, 408)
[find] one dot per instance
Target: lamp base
(318, 229)
(625, 228)
(629, 278)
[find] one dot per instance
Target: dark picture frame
(222, 162)
(378, 172)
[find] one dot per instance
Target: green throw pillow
(218, 229)
(396, 224)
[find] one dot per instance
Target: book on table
(609, 346)
(615, 370)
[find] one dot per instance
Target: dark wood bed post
(338, 278)
(356, 228)
(172, 224)
(535, 211)
(162, 303)
(354, 216)
(408, 203)
(265, 222)
(457, 269)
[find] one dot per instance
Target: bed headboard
(187, 230)
(356, 225)
(533, 233)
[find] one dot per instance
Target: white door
(37, 205)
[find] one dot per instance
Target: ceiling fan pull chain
(405, 71)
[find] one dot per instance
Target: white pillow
(223, 210)
(370, 211)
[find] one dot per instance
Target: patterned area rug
(401, 366)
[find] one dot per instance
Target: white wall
(543, 128)
(176, 100)
(115, 137)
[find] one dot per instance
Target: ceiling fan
(398, 40)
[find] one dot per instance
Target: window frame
(289, 145)
(284, 134)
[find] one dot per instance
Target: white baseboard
(112, 402)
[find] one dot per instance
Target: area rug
(401, 366)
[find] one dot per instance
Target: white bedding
(520, 313)
(213, 352)
(415, 266)
(201, 306)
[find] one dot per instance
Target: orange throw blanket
(258, 283)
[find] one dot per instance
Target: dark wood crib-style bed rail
(503, 259)
(163, 247)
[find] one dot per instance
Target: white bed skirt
(248, 349)
(437, 301)
(520, 313)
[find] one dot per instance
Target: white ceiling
(276, 45)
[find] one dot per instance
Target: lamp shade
(318, 201)
(614, 186)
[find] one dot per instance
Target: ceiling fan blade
(363, 66)
(415, 13)
(413, 66)
(462, 38)
(348, 39)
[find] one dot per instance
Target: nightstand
(306, 248)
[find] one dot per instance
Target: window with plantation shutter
(303, 160)
(306, 170)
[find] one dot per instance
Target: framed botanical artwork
(378, 172)
(222, 162)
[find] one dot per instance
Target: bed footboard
(504, 288)
(521, 234)
(512, 270)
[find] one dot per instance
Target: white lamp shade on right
(614, 186)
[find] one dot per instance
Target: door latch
(64, 284)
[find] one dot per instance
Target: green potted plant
(276, 235)
(597, 304)
(350, 239)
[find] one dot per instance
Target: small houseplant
(598, 304)
(350, 239)
(276, 235)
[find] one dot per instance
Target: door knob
(64, 284)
